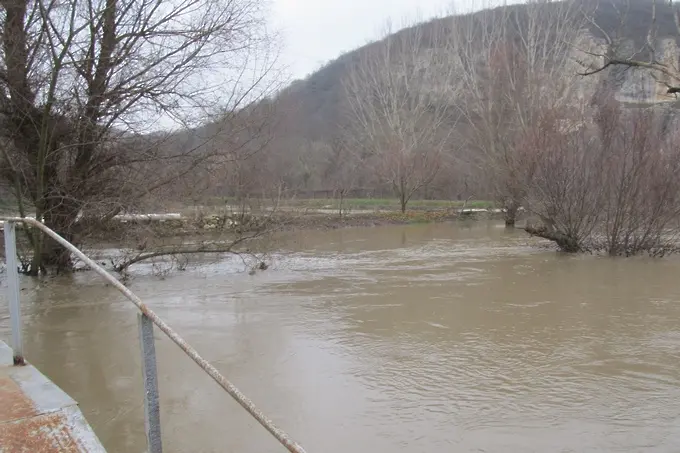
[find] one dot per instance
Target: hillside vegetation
(313, 117)
(565, 108)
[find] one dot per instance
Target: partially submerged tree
(611, 187)
(642, 199)
(565, 191)
(83, 83)
(401, 108)
(224, 233)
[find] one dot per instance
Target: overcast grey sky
(316, 31)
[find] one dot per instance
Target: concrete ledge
(36, 416)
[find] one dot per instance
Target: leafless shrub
(564, 192)
(642, 198)
(610, 188)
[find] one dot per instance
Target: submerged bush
(612, 188)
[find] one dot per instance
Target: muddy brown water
(430, 338)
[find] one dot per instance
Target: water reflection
(416, 339)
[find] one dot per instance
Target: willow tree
(85, 86)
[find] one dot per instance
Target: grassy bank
(316, 221)
(322, 213)
(211, 223)
(297, 214)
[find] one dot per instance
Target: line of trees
(513, 65)
(594, 176)
(454, 98)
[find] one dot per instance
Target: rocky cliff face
(319, 98)
(629, 85)
(641, 86)
(633, 87)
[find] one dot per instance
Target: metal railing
(147, 319)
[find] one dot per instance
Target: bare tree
(84, 83)
(642, 202)
(514, 63)
(398, 110)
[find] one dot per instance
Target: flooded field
(414, 339)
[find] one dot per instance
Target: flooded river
(414, 339)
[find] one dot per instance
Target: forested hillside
(313, 114)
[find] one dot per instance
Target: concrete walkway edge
(36, 416)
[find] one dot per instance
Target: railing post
(13, 291)
(152, 416)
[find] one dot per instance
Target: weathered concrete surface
(36, 416)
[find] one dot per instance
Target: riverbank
(211, 228)
(321, 219)
(214, 223)
(318, 214)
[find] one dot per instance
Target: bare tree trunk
(565, 242)
(342, 198)
(510, 213)
(62, 219)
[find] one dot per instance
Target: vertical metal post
(152, 415)
(13, 291)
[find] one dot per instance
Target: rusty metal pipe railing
(223, 382)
